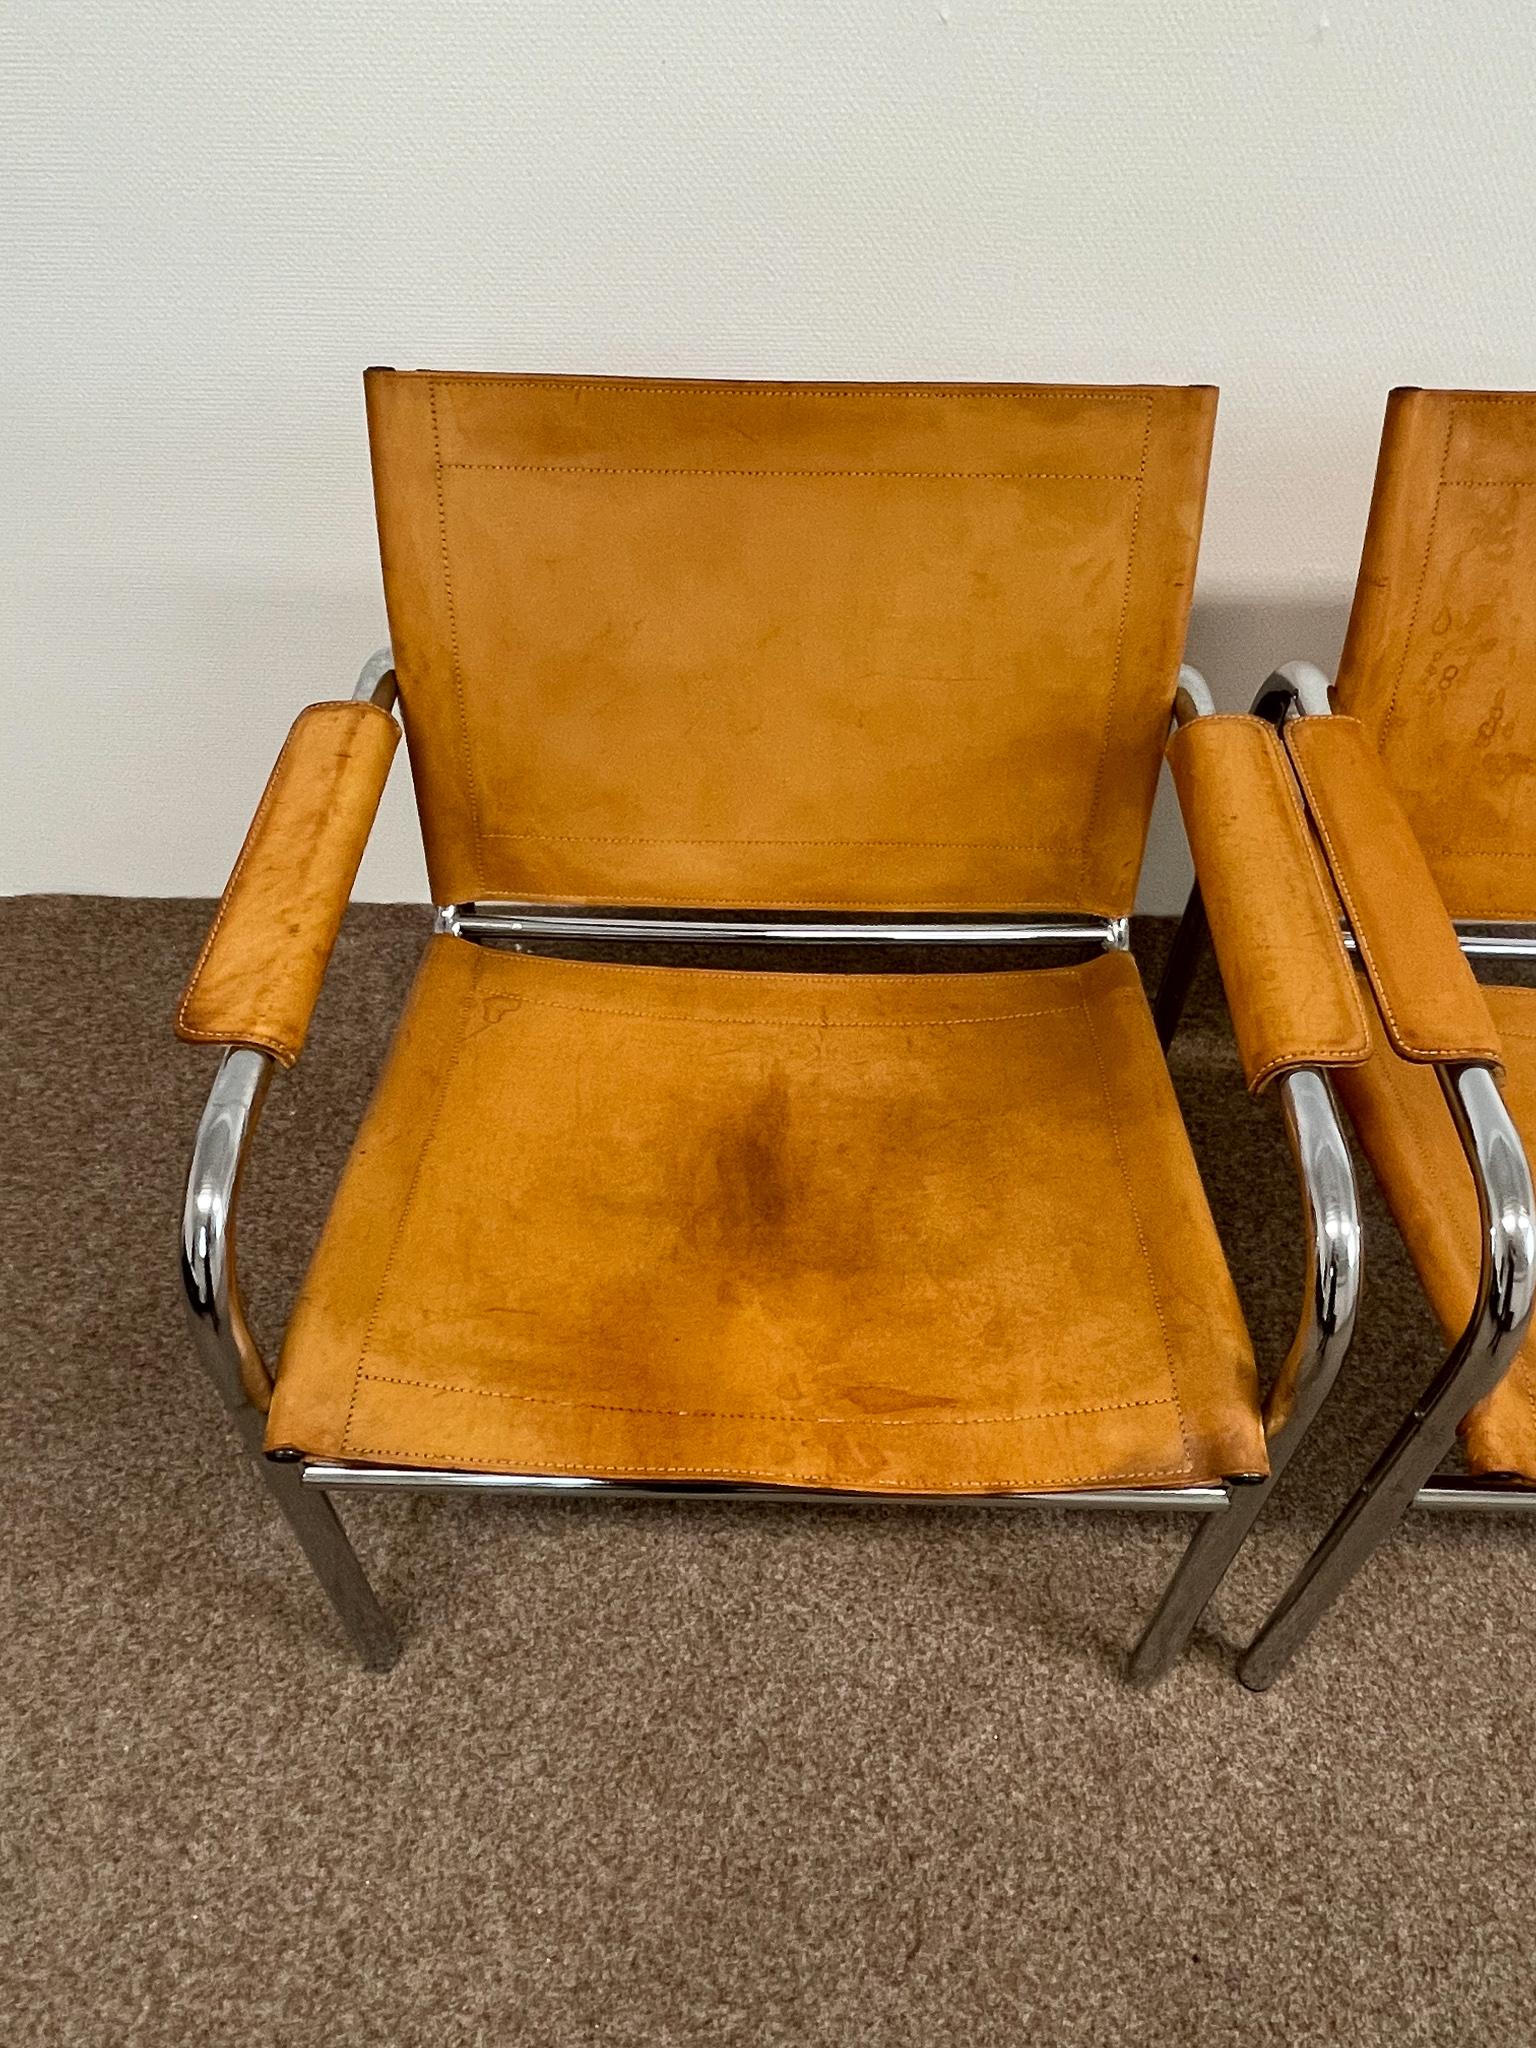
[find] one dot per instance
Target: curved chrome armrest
(1330, 1199)
(1297, 686)
(1507, 1220)
(224, 1342)
(1331, 1213)
(376, 682)
(1311, 1365)
(1472, 1369)
(1295, 689)
(228, 1351)
(1192, 698)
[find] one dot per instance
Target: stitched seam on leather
(1141, 1236)
(791, 1023)
(1039, 396)
(1300, 1056)
(456, 1461)
(1341, 883)
(830, 979)
(1367, 954)
(1490, 483)
(750, 1415)
(1359, 1047)
(1025, 476)
(636, 839)
(1145, 399)
(268, 796)
(1418, 596)
(1091, 813)
(284, 1053)
(428, 1134)
(453, 634)
(1010, 904)
(280, 770)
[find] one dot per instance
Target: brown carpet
(677, 1775)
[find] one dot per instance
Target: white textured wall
(215, 214)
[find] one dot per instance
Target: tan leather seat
(889, 1232)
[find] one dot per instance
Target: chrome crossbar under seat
(1480, 940)
(513, 921)
(1456, 1493)
(1199, 1500)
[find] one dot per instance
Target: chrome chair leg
(232, 1361)
(1475, 1365)
(318, 1531)
(1311, 1365)
(1188, 1593)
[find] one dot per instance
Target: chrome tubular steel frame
(228, 1351)
(299, 1487)
(1475, 1365)
(1318, 1349)
(1401, 1476)
(510, 922)
(1331, 1209)
(334, 1477)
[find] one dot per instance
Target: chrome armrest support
(1330, 1200)
(1331, 1213)
(1295, 689)
(376, 681)
(225, 1346)
(1507, 1220)
(1473, 1367)
(1310, 1367)
(1192, 698)
(227, 1349)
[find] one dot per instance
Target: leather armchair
(753, 657)
(1416, 773)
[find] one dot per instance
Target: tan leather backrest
(865, 646)
(1440, 661)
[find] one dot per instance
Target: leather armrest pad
(265, 956)
(1429, 1000)
(1293, 995)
